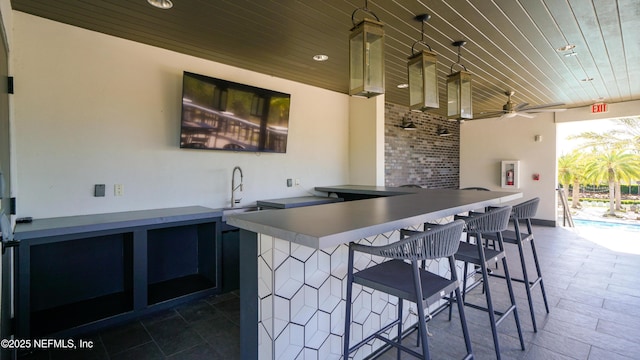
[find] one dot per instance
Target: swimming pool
(616, 236)
(607, 225)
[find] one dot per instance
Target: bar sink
(238, 210)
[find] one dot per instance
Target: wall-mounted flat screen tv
(223, 115)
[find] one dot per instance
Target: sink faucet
(235, 201)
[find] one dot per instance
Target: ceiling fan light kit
(366, 56)
(161, 4)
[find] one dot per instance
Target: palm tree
(613, 166)
(578, 178)
(625, 139)
(631, 133)
(571, 172)
(565, 176)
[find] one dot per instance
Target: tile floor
(202, 329)
(593, 293)
(594, 300)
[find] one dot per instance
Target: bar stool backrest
(493, 221)
(435, 243)
(526, 210)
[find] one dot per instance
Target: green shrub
(624, 189)
(606, 201)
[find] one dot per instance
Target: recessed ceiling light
(587, 79)
(402, 86)
(320, 57)
(566, 47)
(161, 4)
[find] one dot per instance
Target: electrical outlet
(297, 182)
(118, 190)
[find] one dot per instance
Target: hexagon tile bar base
(300, 302)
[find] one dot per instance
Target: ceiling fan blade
(524, 114)
(488, 114)
(535, 107)
(508, 115)
(521, 106)
(541, 110)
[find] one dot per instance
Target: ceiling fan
(510, 109)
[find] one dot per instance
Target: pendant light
(459, 90)
(366, 56)
(423, 74)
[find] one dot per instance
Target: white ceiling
(511, 44)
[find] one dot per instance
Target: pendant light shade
(366, 57)
(422, 69)
(459, 95)
(423, 81)
(459, 92)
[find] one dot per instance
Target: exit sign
(599, 108)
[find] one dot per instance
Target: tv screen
(223, 115)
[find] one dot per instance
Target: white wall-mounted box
(510, 174)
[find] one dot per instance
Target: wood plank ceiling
(511, 44)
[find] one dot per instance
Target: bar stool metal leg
(513, 301)
(479, 224)
(544, 293)
(490, 309)
(400, 311)
(422, 325)
(525, 276)
(524, 212)
(392, 276)
(463, 319)
(347, 313)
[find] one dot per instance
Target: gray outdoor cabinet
(78, 274)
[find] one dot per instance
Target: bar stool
(406, 280)
(524, 212)
(477, 226)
